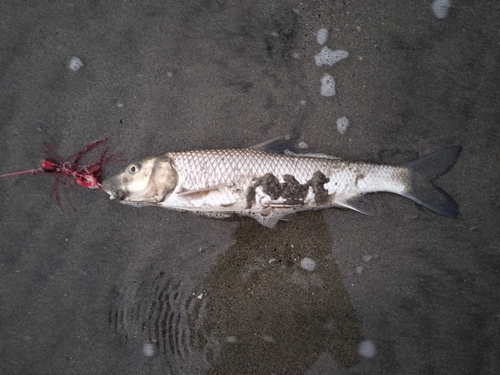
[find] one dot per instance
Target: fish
(271, 181)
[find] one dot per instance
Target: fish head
(149, 181)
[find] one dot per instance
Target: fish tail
(423, 173)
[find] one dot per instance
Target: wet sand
(113, 289)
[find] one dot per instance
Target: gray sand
(112, 289)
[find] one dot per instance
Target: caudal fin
(423, 173)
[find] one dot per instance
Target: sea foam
(327, 85)
(367, 349)
(342, 124)
(322, 36)
(328, 57)
(308, 264)
(75, 64)
(441, 8)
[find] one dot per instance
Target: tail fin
(423, 173)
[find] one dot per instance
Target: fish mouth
(114, 193)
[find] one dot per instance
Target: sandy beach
(113, 289)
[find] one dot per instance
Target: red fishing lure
(70, 169)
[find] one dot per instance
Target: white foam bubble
(367, 349)
(303, 145)
(148, 349)
(75, 64)
(441, 8)
(268, 338)
(308, 264)
(327, 85)
(322, 36)
(328, 57)
(342, 124)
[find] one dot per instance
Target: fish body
(268, 186)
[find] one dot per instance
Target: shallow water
(118, 290)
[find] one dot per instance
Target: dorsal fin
(312, 155)
(279, 144)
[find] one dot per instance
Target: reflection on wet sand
(261, 309)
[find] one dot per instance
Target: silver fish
(268, 182)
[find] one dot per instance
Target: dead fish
(268, 182)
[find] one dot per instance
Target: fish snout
(114, 193)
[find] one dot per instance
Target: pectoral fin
(198, 193)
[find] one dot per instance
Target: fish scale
(270, 185)
(204, 168)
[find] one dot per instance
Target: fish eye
(134, 168)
